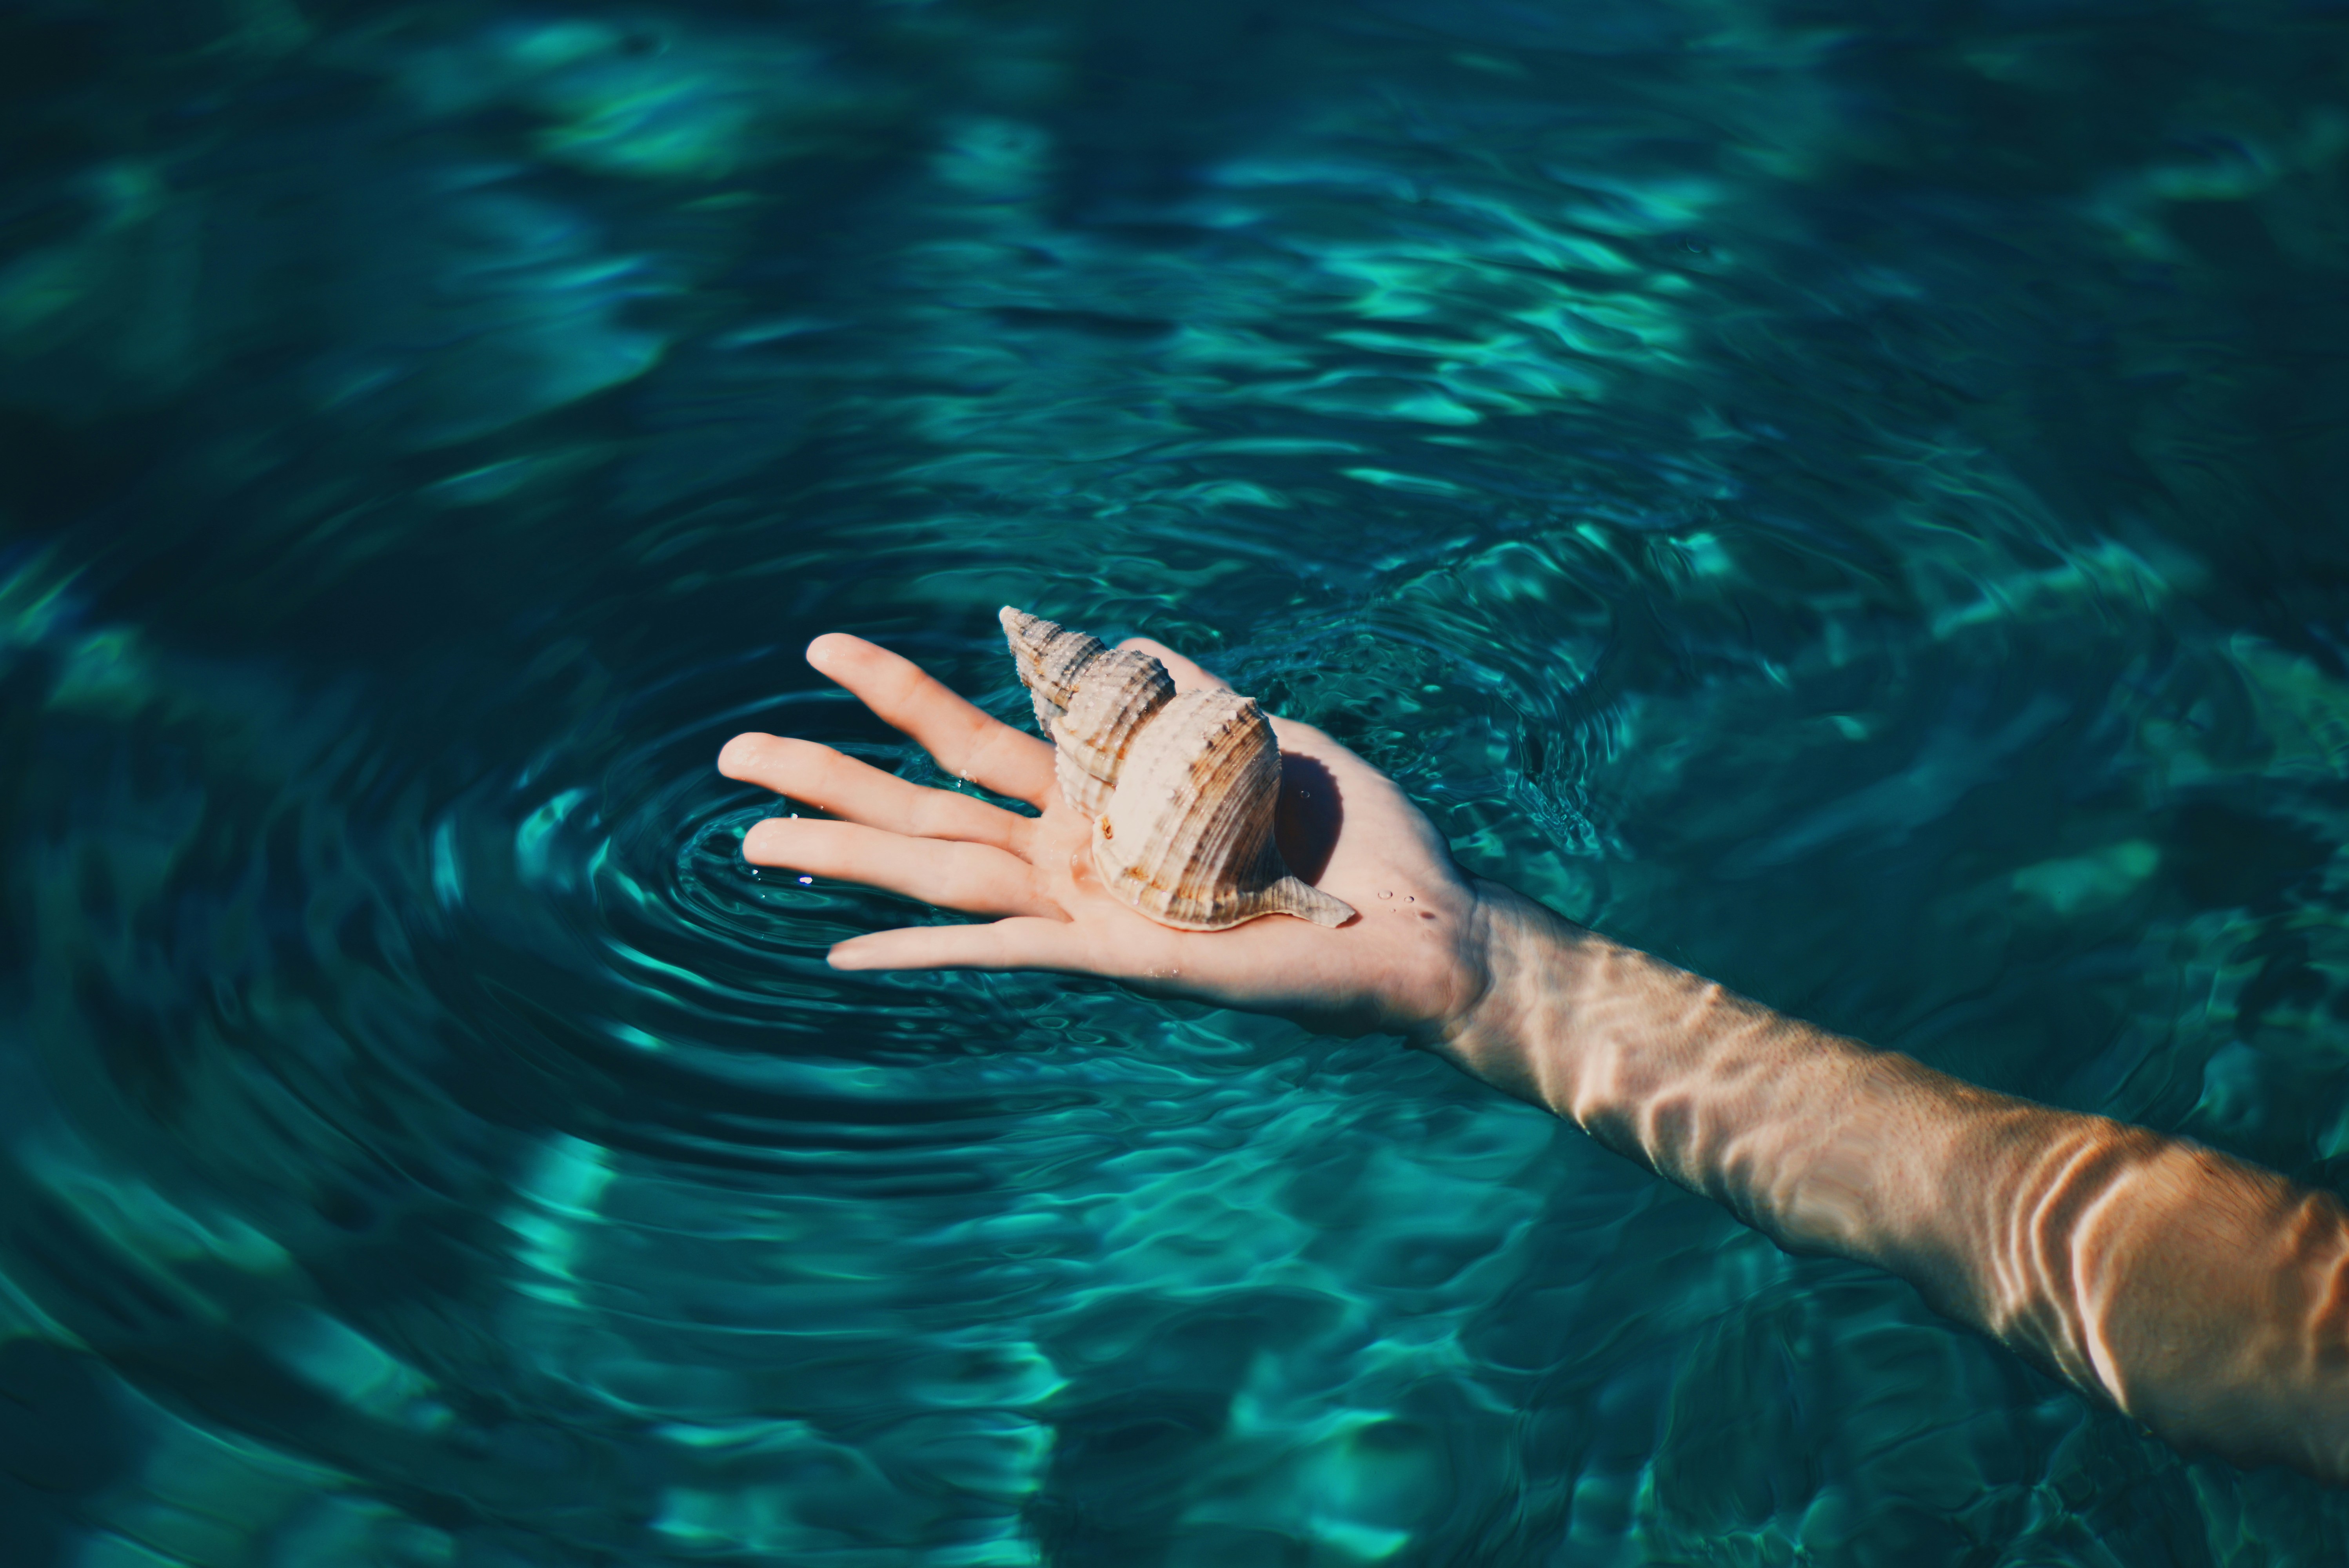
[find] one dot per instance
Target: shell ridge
(1050, 659)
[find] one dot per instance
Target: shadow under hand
(1306, 825)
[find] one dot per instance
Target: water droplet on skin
(1412, 899)
(1388, 894)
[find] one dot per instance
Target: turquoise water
(1846, 496)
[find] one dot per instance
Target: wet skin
(2206, 1297)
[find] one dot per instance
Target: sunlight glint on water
(1850, 507)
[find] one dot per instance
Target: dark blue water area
(1846, 496)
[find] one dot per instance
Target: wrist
(1509, 1020)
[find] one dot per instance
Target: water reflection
(1848, 510)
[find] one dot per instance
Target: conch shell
(1180, 789)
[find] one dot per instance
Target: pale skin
(2206, 1297)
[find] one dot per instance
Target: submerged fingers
(975, 878)
(858, 792)
(968, 743)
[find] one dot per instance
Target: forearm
(2208, 1298)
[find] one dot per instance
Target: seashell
(1120, 692)
(1181, 789)
(1089, 733)
(1051, 658)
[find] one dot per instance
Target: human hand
(1413, 960)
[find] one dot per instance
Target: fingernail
(737, 754)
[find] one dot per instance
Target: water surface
(1845, 496)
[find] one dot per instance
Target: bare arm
(2206, 1297)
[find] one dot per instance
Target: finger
(1018, 944)
(967, 743)
(977, 878)
(1188, 676)
(858, 792)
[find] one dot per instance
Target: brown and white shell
(1121, 693)
(1180, 789)
(1050, 659)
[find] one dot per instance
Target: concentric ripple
(1846, 502)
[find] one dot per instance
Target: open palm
(1410, 961)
